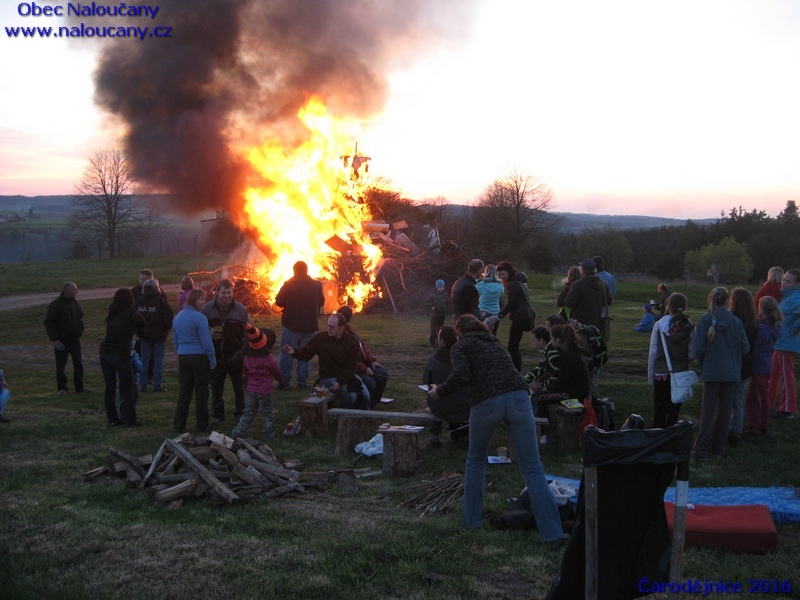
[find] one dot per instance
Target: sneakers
(62, 393)
(217, 420)
(163, 389)
(85, 390)
(285, 386)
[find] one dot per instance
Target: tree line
(512, 219)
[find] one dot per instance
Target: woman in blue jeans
(499, 395)
(122, 323)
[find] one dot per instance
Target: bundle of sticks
(434, 496)
(223, 469)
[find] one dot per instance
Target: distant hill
(573, 222)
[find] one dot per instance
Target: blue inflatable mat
(783, 502)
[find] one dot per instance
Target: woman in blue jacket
(719, 346)
(196, 358)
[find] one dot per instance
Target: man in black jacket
(301, 299)
(464, 296)
(64, 325)
(228, 322)
(588, 296)
(157, 315)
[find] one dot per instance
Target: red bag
(589, 418)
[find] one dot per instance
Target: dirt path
(27, 300)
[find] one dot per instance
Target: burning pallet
(218, 467)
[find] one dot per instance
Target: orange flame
(309, 199)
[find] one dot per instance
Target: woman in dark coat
(499, 395)
(518, 308)
(122, 323)
(573, 371)
(455, 408)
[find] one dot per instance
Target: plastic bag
(372, 447)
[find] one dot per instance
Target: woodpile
(224, 470)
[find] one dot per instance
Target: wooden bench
(356, 426)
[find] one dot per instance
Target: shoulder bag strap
(666, 351)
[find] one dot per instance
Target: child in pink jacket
(257, 372)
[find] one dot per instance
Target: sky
(678, 109)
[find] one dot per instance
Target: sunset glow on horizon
(681, 109)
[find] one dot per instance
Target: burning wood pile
(224, 470)
(244, 277)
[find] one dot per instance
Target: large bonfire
(310, 208)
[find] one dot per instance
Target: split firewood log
(133, 462)
(226, 455)
(283, 490)
(180, 490)
(95, 473)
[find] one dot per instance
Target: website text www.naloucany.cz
(82, 30)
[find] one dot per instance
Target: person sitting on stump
(338, 354)
(455, 408)
(371, 372)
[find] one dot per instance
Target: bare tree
(516, 208)
(104, 205)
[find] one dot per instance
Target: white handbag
(681, 382)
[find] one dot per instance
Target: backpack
(596, 347)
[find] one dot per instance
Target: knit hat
(259, 339)
(439, 283)
(648, 307)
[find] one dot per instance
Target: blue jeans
(286, 362)
(514, 409)
(157, 349)
(715, 418)
(737, 410)
(115, 366)
(358, 399)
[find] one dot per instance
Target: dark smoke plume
(236, 72)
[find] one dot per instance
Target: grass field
(61, 537)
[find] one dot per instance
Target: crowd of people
(744, 344)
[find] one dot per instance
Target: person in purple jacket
(757, 401)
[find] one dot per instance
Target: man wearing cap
(464, 295)
(64, 326)
(227, 320)
(588, 296)
(301, 299)
(439, 303)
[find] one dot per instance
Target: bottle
(295, 426)
(288, 429)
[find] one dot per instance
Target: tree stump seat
(354, 426)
